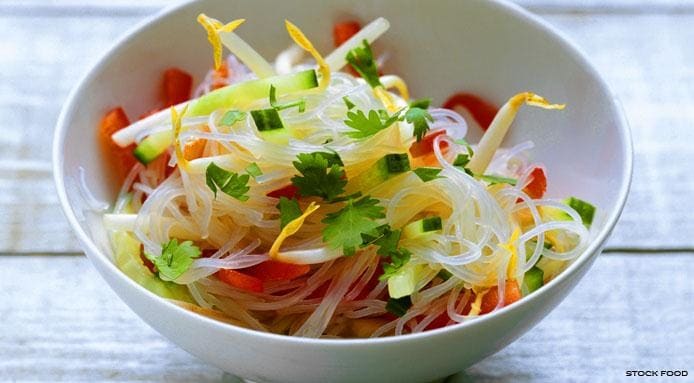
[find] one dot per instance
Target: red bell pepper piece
(276, 271)
(538, 184)
(512, 293)
(120, 160)
(344, 31)
(426, 145)
(177, 86)
(481, 110)
(240, 280)
(290, 191)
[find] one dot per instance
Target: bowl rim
(502, 6)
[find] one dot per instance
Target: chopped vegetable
(482, 111)
(344, 228)
(348, 103)
(399, 306)
(321, 176)
(231, 117)
(177, 86)
(175, 259)
(343, 31)
(532, 280)
(583, 208)
(232, 184)
(301, 40)
(420, 227)
(494, 179)
(240, 280)
(120, 159)
(512, 293)
(289, 191)
(289, 210)
(277, 271)
(427, 174)
(425, 147)
(267, 119)
(254, 170)
(537, 186)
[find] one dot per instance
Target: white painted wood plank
(60, 322)
(646, 58)
(551, 6)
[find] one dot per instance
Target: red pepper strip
(240, 280)
(120, 160)
(344, 31)
(511, 294)
(538, 184)
(177, 86)
(481, 110)
(290, 191)
(276, 271)
(426, 145)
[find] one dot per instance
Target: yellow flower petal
(213, 28)
(510, 246)
(301, 40)
(290, 229)
(176, 119)
(476, 306)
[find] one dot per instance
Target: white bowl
(491, 48)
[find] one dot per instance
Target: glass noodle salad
(313, 197)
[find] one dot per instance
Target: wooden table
(60, 322)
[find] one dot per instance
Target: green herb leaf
(348, 102)
(368, 126)
(422, 103)
(427, 174)
(362, 60)
(322, 175)
(494, 179)
(253, 170)
(420, 118)
(289, 210)
(463, 142)
(461, 160)
(398, 259)
(345, 227)
(228, 182)
(301, 104)
(175, 259)
(399, 307)
(231, 117)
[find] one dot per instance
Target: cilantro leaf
(399, 307)
(348, 103)
(462, 141)
(175, 259)
(461, 160)
(368, 126)
(345, 227)
(418, 115)
(231, 117)
(398, 259)
(289, 210)
(427, 174)
(254, 170)
(228, 182)
(494, 179)
(301, 104)
(362, 60)
(321, 175)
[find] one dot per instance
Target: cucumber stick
(227, 97)
(422, 226)
(404, 281)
